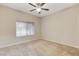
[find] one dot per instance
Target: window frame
(33, 26)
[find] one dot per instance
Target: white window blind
(24, 28)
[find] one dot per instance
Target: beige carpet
(39, 48)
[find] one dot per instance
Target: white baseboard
(16, 43)
(74, 46)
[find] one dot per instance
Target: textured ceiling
(25, 7)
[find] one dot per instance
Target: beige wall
(8, 19)
(62, 27)
(78, 24)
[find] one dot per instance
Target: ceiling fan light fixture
(38, 9)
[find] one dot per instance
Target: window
(24, 28)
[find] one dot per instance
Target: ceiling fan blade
(31, 4)
(38, 4)
(32, 10)
(42, 4)
(45, 9)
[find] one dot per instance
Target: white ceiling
(25, 7)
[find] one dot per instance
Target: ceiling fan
(38, 7)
